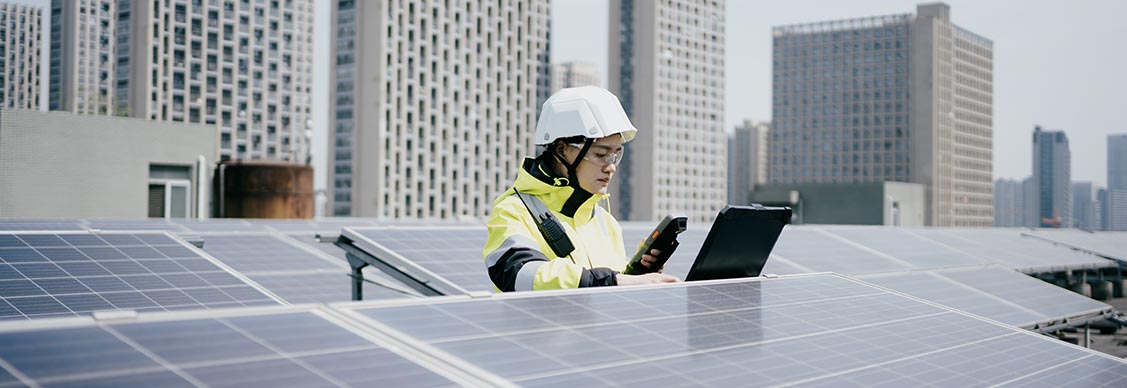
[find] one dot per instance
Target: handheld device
(662, 238)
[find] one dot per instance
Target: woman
(579, 138)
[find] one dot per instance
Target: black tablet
(739, 242)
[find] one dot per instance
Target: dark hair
(551, 148)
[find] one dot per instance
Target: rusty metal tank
(264, 189)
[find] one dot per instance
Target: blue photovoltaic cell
(280, 349)
(49, 275)
(808, 330)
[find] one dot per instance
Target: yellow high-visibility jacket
(519, 258)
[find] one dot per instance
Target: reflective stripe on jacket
(519, 258)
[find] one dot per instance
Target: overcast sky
(1060, 64)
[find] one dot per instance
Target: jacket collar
(555, 192)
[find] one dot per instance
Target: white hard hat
(588, 111)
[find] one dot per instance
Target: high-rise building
(1009, 203)
(1117, 161)
(889, 98)
(244, 66)
(667, 67)
(1052, 178)
(83, 56)
(21, 42)
(1029, 189)
(747, 160)
(1113, 203)
(1084, 206)
(434, 103)
(574, 74)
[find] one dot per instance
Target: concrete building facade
(63, 165)
(905, 98)
(574, 74)
(1052, 179)
(434, 104)
(1009, 203)
(21, 43)
(245, 66)
(747, 160)
(666, 65)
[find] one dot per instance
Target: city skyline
(1036, 51)
(1039, 76)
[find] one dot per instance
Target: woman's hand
(649, 259)
(650, 278)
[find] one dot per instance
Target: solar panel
(263, 252)
(219, 225)
(39, 224)
(320, 244)
(1010, 249)
(292, 271)
(448, 258)
(1106, 244)
(267, 348)
(67, 274)
(1047, 299)
(997, 293)
(822, 251)
(134, 224)
(804, 330)
(905, 246)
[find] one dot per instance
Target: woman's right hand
(650, 278)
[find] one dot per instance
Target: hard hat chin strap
(572, 178)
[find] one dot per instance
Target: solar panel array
(807, 330)
(856, 250)
(997, 293)
(72, 273)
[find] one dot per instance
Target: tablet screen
(739, 242)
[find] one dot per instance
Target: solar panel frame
(121, 270)
(166, 347)
(530, 337)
